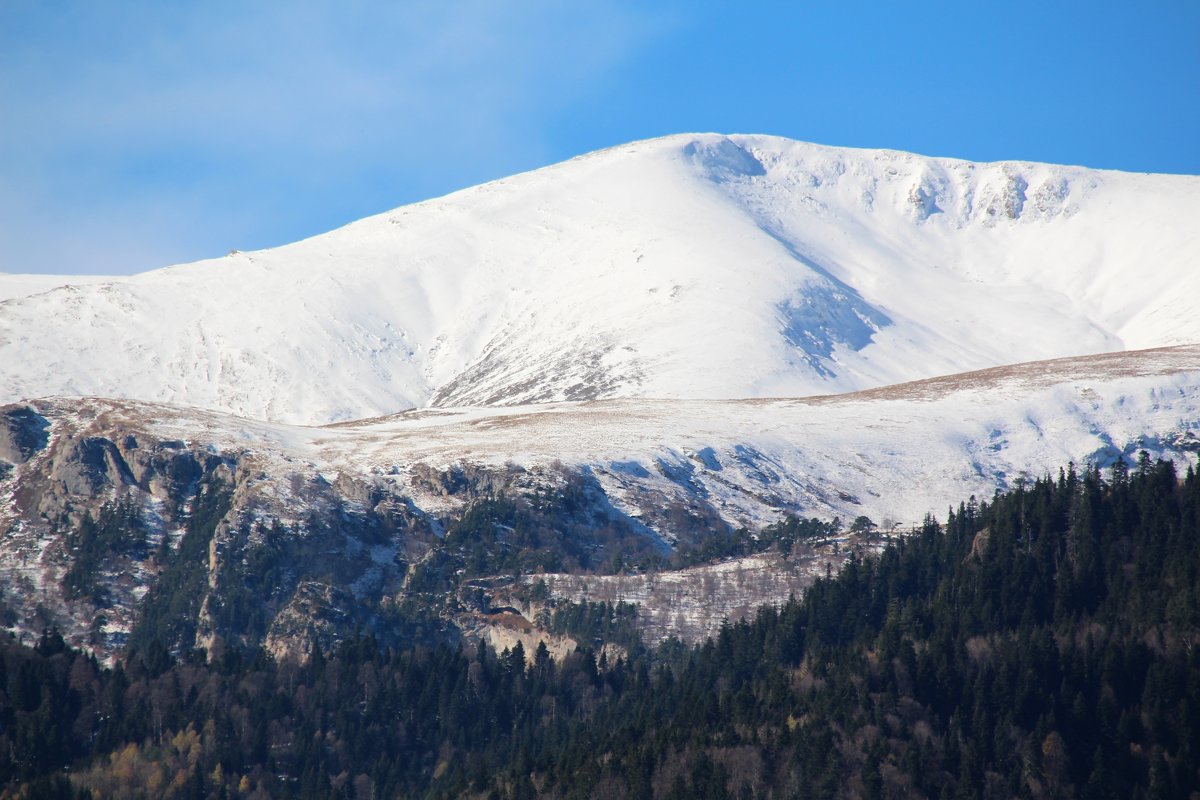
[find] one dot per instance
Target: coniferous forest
(1043, 644)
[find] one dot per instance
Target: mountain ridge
(688, 266)
(348, 514)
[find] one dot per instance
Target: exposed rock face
(22, 433)
(71, 469)
(235, 545)
(123, 522)
(693, 603)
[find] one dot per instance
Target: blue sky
(139, 134)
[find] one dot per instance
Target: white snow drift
(694, 266)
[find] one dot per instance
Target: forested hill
(1040, 645)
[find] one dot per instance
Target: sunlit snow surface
(19, 286)
(690, 267)
(894, 453)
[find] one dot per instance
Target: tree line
(1041, 644)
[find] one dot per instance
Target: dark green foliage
(116, 531)
(552, 531)
(1040, 645)
(48, 709)
(792, 530)
(781, 536)
(595, 623)
(862, 524)
(259, 573)
(169, 610)
(717, 545)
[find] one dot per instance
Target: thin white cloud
(202, 117)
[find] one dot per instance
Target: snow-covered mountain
(637, 350)
(693, 266)
(355, 509)
(14, 286)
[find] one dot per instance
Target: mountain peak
(694, 265)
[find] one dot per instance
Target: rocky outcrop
(117, 531)
(90, 512)
(23, 432)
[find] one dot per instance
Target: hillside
(621, 374)
(317, 530)
(1041, 645)
(690, 267)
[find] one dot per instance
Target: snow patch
(723, 160)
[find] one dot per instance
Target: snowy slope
(17, 286)
(891, 453)
(694, 266)
(363, 501)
